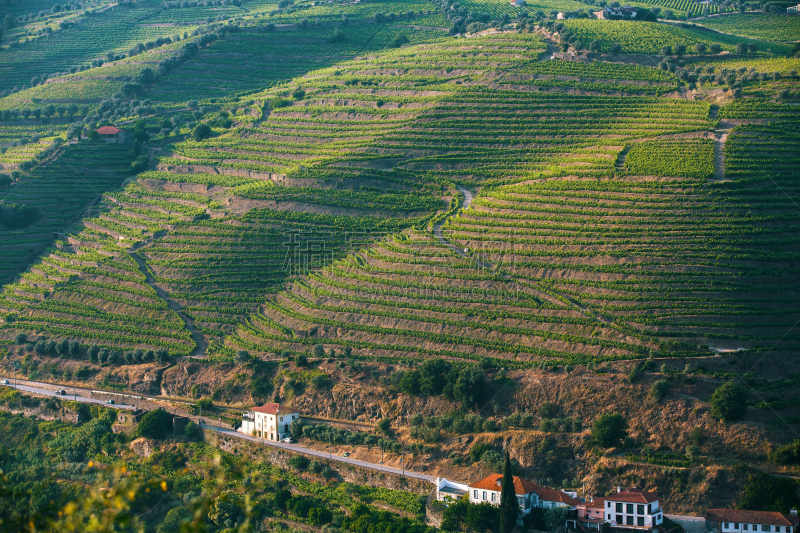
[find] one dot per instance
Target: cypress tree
(509, 509)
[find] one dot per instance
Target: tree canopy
(155, 425)
(728, 402)
(609, 430)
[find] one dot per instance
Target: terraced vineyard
(254, 59)
(596, 194)
(116, 29)
(48, 198)
(441, 215)
(650, 37)
(757, 26)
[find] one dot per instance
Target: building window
(619, 519)
(484, 495)
(630, 520)
(629, 509)
(640, 521)
(608, 504)
(725, 526)
(745, 526)
(476, 494)
(640, 509)
(650, 509)
(766, 528)
(619, 507)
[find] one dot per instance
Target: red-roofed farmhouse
(271, 421)
(529, 495)
(741, 521)
(110, 134)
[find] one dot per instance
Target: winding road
(47, 389)
(437, 232)
(72, 397)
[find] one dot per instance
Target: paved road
(235, 434)
(692, 524)
(70, 397)
(323, 455)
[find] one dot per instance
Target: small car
(288, 440)
(6, 382)
(110, 402)
(346, 454)
(61, 392)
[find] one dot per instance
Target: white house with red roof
(110, 134)
(271, 421)
(529, 495)
(633, 509)
(741, 521)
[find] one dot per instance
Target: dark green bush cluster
(460, 424)
(365, 519)
(466, 385)
(327, 433)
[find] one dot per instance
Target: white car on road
(6, 382)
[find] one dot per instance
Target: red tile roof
(751, 517)
(522, 486)
(552, 495)
(108, 130)
(274, 409)
(599, 503)
(493, 481)
(633, 496)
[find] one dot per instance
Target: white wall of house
(267, 426)
(442, 486)
(735, 527)
(634, 514)
(525, 501)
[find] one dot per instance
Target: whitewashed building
(742, 521)
(529, 495)
(634, 509)
(449, 491)
(270, 421)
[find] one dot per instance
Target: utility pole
(403, 461)
(74, 393)
(329, 446)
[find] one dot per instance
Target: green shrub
(478, 449)
(204, 406)
(609, 430)
(728, 402)
(659, 389)
(384, 425)
(154, 425)
(298, 462)
(174, 519)
(786, 455)
(201, 132)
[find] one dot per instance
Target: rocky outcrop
(142, 447)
